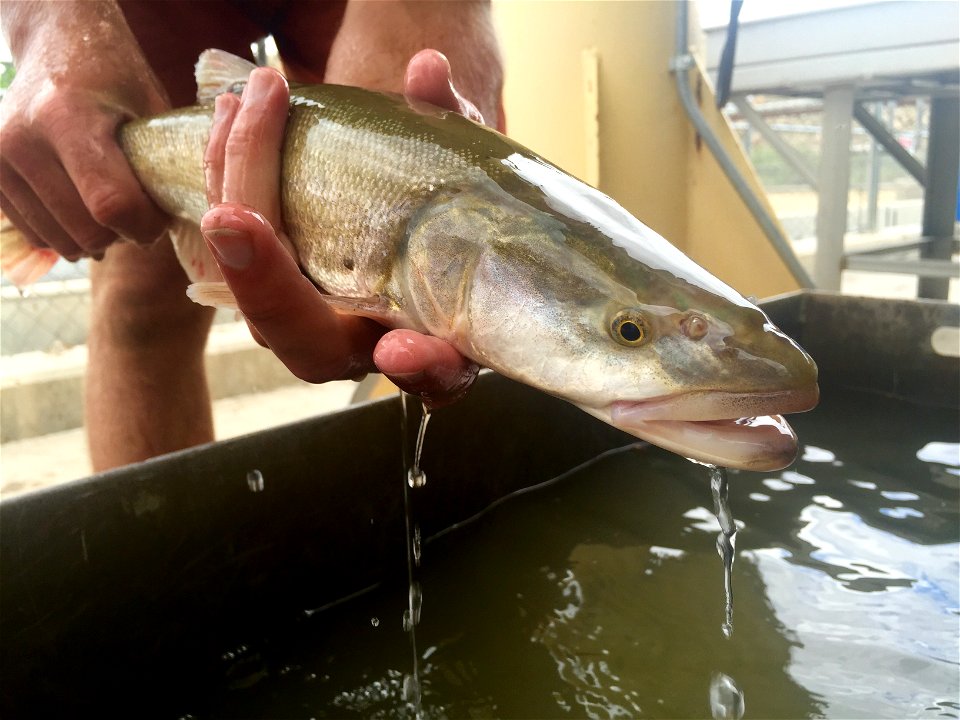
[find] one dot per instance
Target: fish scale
(356, 168)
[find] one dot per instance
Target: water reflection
(597, 596)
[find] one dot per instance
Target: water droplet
(416, 478)
(726, 541)
(416, 545)
(411, 690)
(726, 699)
(727, 629)
(375, 621)
(407, 624)
(416, 602)
(255, 481)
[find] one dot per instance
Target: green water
(601, 594)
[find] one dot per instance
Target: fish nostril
(694, 326)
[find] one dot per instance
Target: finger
(252, 155)
(20, 223)
(111, 193)
(49, 182)
(425, 366)
(429, 78)
(255, 334)
(30, 215)
(314, 342)
(225, 111)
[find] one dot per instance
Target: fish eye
(629, 328)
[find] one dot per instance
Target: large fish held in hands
(419, 218)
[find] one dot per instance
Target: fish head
(562, 289)
(672, 364)
(714, 383)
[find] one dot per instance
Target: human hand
(285, 311)
(64, 181)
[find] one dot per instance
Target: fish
(419, 218)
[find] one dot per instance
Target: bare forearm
(26, 23)
(146, 390)
(377, 39)
(66, 36)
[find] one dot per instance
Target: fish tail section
(20, 262)
(218, 71)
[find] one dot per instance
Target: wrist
(28, 24)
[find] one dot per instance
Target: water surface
(601, 594)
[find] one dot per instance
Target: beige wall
(649, 160)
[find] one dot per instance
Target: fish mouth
(737, 430)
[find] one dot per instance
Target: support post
(940, 198)
(873, 185)
(834, 184)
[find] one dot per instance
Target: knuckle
(244, 136)
(95, 240)
(111, 206)
(12, 134)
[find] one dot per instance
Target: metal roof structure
(849, 56)
(903, 47)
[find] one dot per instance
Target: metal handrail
(680, 66)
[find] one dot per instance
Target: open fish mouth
(745, 431)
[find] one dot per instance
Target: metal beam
(776, 142)
(885, 248)
(834, 184)
(935, 269)
(940, 198)
(890, 144)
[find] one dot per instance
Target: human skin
(146, 391)
(284, 309)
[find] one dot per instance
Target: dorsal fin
(218, 71)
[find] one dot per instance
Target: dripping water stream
(726, 540)
(413, 412)
(726, 698)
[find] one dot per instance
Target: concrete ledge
(42, 393)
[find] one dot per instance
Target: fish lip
(706, 405)
(737, 430)
(765, 443)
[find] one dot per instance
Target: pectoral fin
(375, 307)
(212, 294)
(192, 252)
(20, 262)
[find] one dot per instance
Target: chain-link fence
(50, 316)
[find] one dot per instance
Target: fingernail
(257, 86)
(221, 107)
(233, 248)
